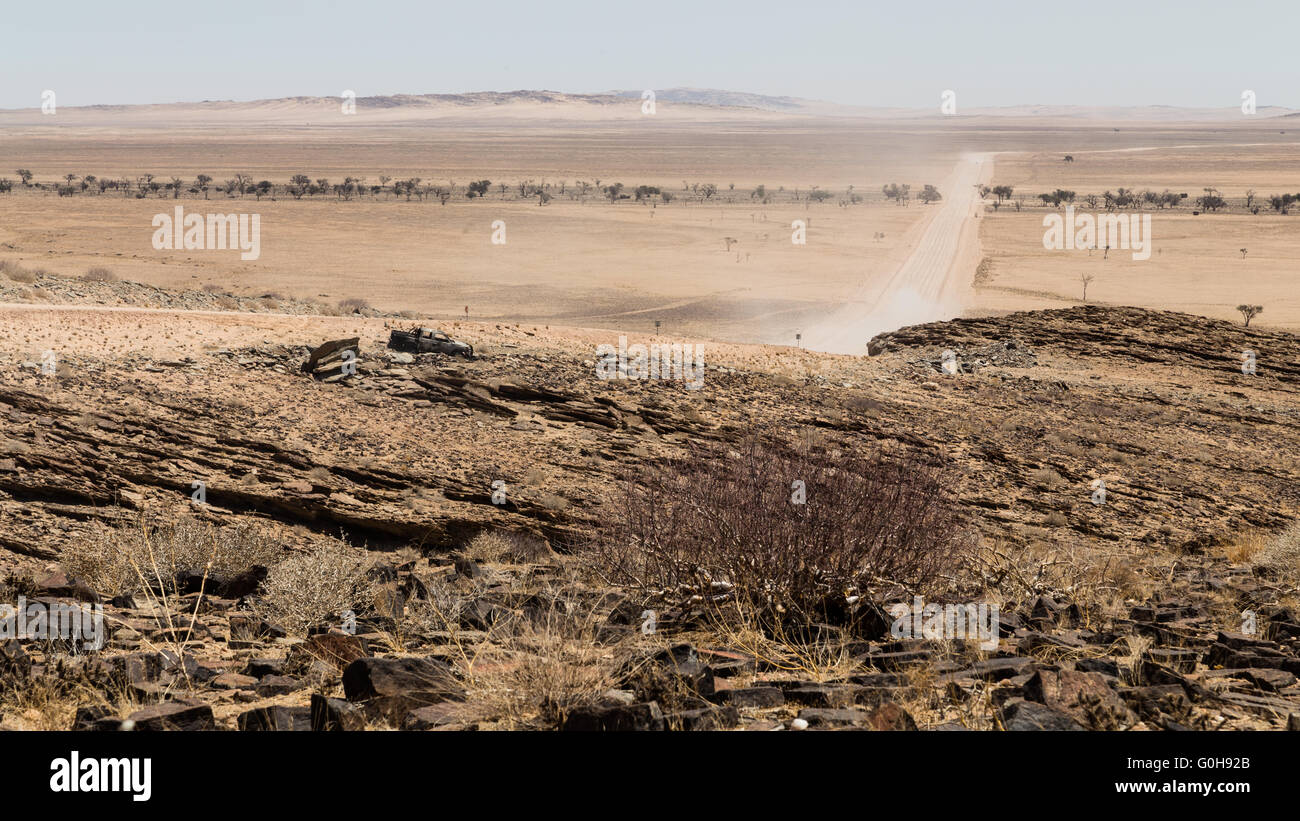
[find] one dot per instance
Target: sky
(858, 52)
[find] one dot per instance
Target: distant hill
(672, 103)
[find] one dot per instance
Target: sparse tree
(1085, 279)
(1249, 312)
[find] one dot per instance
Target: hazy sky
(898, 53)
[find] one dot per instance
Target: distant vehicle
(428, 340)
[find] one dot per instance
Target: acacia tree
(1249, 312)
(26, 177)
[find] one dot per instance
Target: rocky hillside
(1122, 609)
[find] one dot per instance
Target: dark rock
(681, 665)
(1018, 715)
(1106, 667)
(1085, 697)
(727, 663)
(1045, 611)
(1271, 680)
(752, 697)
(276, 718)
(174, 715)
(890, 717)
(226, 585)
(704, 718)
(233, 681)
(431, 716)
(898, 660)
(335, 714)
(264, 667)
(1183, 661)
(1152, 701)
(93, 718)
(14, 660)
(829, 717)
(467, 567)
(823, 695)
(1279, 630)
(1242, 641)
(616, 718)
(63, 586)
(274, 685)
(995, 669)
(137, 668)
(395, 686)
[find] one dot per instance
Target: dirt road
(931, 284)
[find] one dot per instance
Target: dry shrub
(1046, 478)
(154, 553)
(499, 546)
(16, 272)
(213, 288)
(730, 528)
(49, 701)
(1055, 519)
(1282, 554)
(227, 303)
(353, 304)
(99, 274)
(1247, 546)
(313, 587)
(544, 670)
(1101, 581)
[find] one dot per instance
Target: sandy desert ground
(591, 263)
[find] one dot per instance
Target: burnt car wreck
(428, 340)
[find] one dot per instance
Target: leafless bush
(492, 546)
(740, 528)
(310, 588)
(110, 560)
(353, 304)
